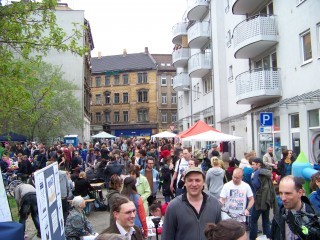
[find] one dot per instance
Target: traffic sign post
(266, 119)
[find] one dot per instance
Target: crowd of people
(200, 190)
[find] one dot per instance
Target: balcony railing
(255, 35)
(180, 57)
(199, 64)
(179, 30)
(198, 34)
(242, 7)
(180, 82)
(258, 85)
(197, 9)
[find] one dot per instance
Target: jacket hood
(217, 171)
(265, 172)
(111, 192)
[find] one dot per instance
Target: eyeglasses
(129, 212)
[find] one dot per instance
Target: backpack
(100, 206)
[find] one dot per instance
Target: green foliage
(35, 100)
(14, 209)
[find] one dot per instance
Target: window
(267, 62)
(98, 99)
(171, 81)
(125, 116)
(306, 46)
(163, 81)
(207, 84)
(142, 115)
(125, 98)
(228, 38)
(318, 39)
(107, 95)
(143, 96)
(116, 98)
(107, 81)
(294, 120)
(314, 118)
(98, 81)
(230, 73)
(173, 117)
(107, 116)
(116, 80)
(173, 98)
(116, 116)
(164, 98)
(98, 117)
(125, 79)
(164, 117)
(142, 77)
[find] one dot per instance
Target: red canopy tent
(198, 127)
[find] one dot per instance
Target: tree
(28, 30)
(49, 107)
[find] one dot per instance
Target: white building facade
(265, 57)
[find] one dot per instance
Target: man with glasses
(152, 176)
(124, 212)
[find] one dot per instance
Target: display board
(5, 213)
(49, 203)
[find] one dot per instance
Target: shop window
(314, 120)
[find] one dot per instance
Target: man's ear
(115, 215)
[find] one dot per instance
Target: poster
(49, 203)
(5, 213)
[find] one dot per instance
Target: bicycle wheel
(12, 186)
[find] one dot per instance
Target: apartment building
(77, 69)
(264, 58)
(166, 96)
(124, 94)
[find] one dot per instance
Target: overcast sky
(131, 24)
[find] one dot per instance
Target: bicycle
(13, 182)
(226, 214)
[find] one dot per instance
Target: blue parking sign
(266, 119)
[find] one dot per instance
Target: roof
(127, 62)
(308, 97)
(164, 62)
(198, 127)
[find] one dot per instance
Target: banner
(49, 203)
(5, 214)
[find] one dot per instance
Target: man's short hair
(298, 181)
(258, 160)
(118, 202)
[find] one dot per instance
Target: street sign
(266, 119)
(265, 129)
(265, 137)
(172, 127)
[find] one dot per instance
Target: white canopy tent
(212, 136)
(103, 135)
(164, 134)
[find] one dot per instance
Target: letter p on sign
(266, 119)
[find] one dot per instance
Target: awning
(309, 97)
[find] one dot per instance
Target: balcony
(198, 34)
(254, 36)
(180, 57)
(242, 7)
(180, 82)
(179, 30)
(258, 85)
(199, 65)
(197, 9)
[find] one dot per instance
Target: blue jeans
(29, 204)
(255, 214)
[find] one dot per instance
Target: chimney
(124, 52)
(146, 51)
(99, 55)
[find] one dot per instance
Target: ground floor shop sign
(49, 203)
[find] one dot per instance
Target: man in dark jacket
(295, 206)
(113, 167)
(124, 213)
(264, 198)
